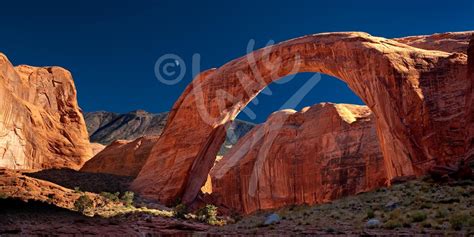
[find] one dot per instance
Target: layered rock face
(319, 154)
(106, 127)
(41, 125)
(124, 158)
(418, 97)
(448, 42)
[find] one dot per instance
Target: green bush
(83, 204)
(114, 197)
(207, 214)
(180, 211)
(392, 224)
(370, 214)
(419, 216)
(458, 221)
(127, 198)
(77, 190)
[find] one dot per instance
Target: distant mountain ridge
(105, 127)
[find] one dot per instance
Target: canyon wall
(41, 125)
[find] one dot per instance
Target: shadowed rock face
(470, 102)
(106, 127)
(319, 154)
(41, 125)
(418, 98)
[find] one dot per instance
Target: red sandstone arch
(417, 97)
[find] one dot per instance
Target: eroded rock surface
(107, 127)
(124, 158)
(41, 125)
(448, 42)
(418, 98)
(319, 154)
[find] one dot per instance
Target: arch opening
(313, 88)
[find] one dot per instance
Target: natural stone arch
(395, 80)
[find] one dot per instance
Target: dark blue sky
(111, 47)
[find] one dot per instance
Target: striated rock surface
(41, 125)
(124, 158)
(106, 127)
(97, 120)
(317, 155)
(447, 42)
(418, 98)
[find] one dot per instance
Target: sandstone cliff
(41, 125)
(319, 154)
(124, 158)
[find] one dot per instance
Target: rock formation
(96, 148)
(124, 158)
(470, 103)
(448, 42)
(319, 154)
(417, 96)
(41, 125)
(106, 127)
(13, 184)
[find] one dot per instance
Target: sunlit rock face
(41, 125)
(122, 157)
(448, 42)
(324, 152)
(419, 100)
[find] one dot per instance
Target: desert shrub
(83, 203)
(114, 197)
(370, 214)
(458, 221)
(127, 198)
(77, 190)
(180, 211)
(418, 216)
(441, 213)
(207, 214)
(392, 224)
(395, 214)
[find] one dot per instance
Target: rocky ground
(414, 207)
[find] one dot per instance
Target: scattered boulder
(373, 223)
(272, 219)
